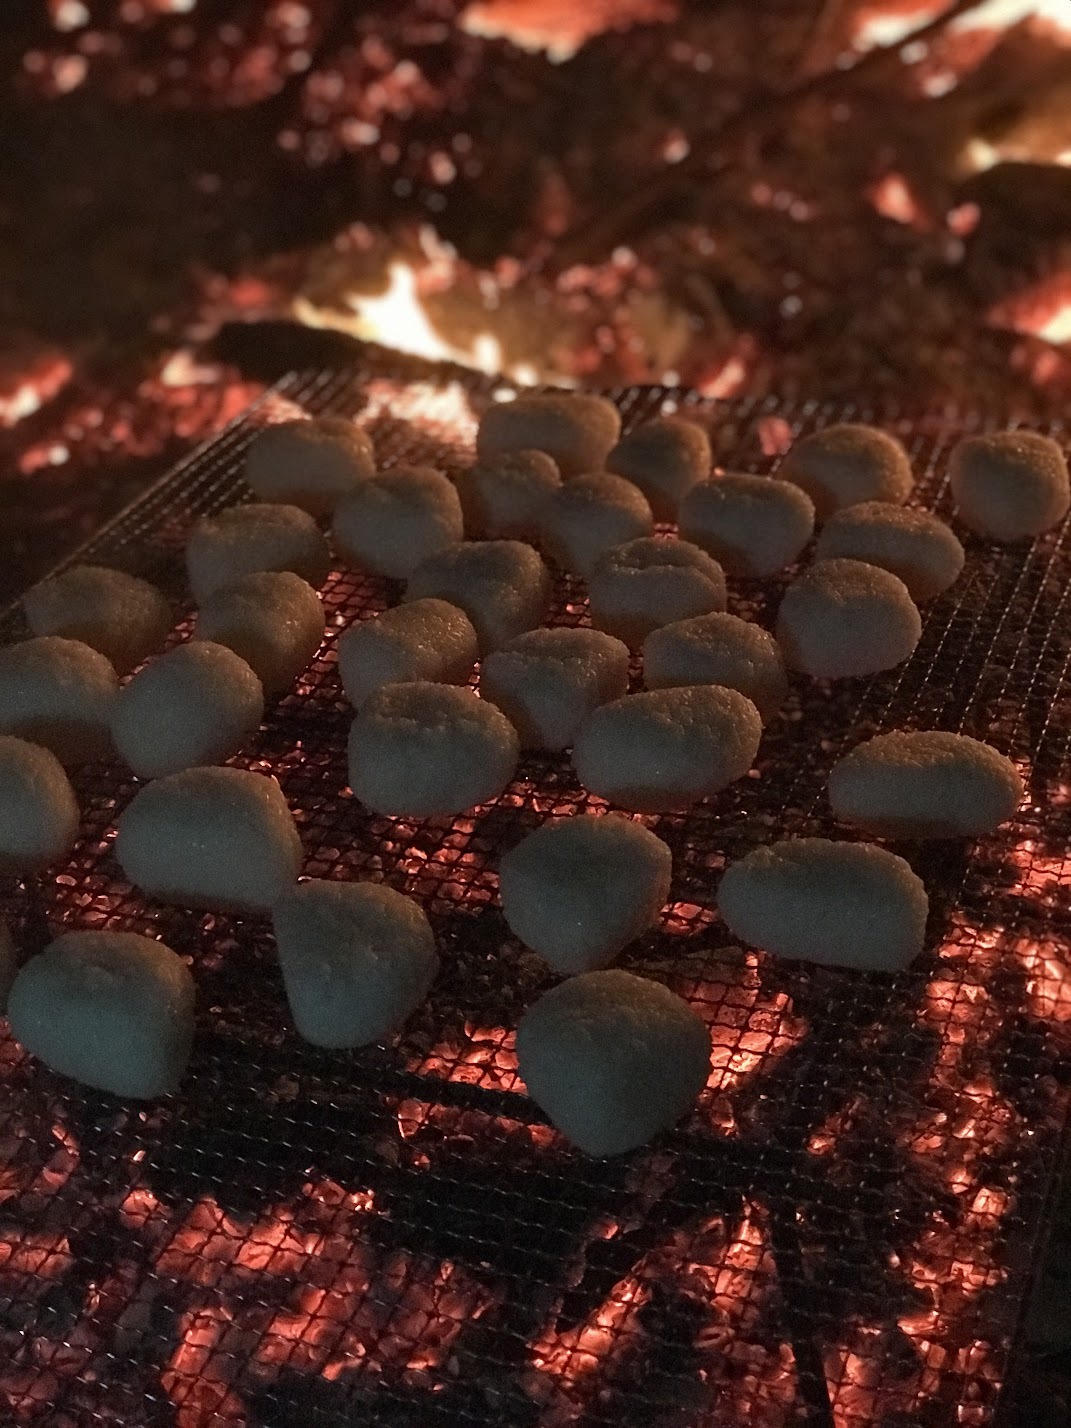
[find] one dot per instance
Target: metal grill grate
(841, 1234)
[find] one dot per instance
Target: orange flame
(25, 393)
(559, 27)
(1043, 310)
(398, 318)
(892, 22)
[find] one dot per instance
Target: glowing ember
(46, 1256)
(337, 1302)
(1039, 877)
(1048, 982)
(195, 1378)
(1057, 328)
(1043, 310)
(775, 435)
(980, 154)
(139, 1206)
(888, 24)
(23, 394)
(732, 1282)
(485, 1057)
(61, 1165)
(578, 1351)
(442, 410)
(68, 14)
(559, 27)
(372, 1315)
(183, 370)
(747, 1029)
(892, 198)
(1002, 14)
(731, 376)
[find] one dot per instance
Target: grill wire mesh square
(841, 1234)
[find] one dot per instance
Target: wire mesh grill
(842, 1233)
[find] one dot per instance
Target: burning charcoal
(576, 429)
(612, 1059)
(547, 682)
(578, 890)
(110, 1009)
(1011, 485)
(925, 785)
(422, 750)
(844, 617)
(59, 693)
(356, 959)
(246, 539)
(389, 523)
(667, 748)
(272, 619)
(718, 649)
(502, 586)
(845, 464)
(591, 515)
(126, 619)
(637, 587)
(752, 525)
(425, 640)
(38, 811)
(223, 839)
(664, 458)
(502, 498)
(198, 704)
(311, 464)
(839, 904)
(915, 546)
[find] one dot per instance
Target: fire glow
(26, 392)
(891, 24)
(346, 1305)
(1043, 310)
(559, 28)
(398, 319)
